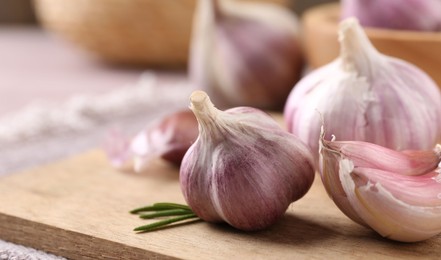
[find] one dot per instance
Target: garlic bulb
(419, 15)
(243, 168)
(168, 138)
(398, 194)
(245, 54)
(366, 96)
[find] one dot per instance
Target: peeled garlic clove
(245, 54)
(168, 138)
(366, 96)
(243, 168)
(403, 207)
(395, 14)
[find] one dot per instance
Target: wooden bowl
(136, 32)
(320, 26)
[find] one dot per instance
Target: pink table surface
(35, 65)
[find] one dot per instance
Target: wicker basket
(136, 32)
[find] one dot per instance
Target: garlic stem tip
(347, 26)
(438, 149)
(198, 96)
(200, 100)
(348, 23)
(344, 27)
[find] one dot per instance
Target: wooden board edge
(65, 243)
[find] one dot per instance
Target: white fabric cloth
(9, 251)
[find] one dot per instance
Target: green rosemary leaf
(147, 208)
(164, 223)
(160, 206)
(166, 213)
(172, 205)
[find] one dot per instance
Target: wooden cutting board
(78, 208)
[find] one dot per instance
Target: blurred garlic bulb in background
(245, 54)
(418, 15)
(366, 96)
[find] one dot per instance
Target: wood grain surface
(78, 208)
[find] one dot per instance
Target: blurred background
(22, 11)
(52, 50)
(17, 11)
(129, 36)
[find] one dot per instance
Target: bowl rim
(327, 16)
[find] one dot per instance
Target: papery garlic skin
(245, 54)
(168, 138)
(400, 207)
(243, 169)
(418, 15)
(366, 96)
(117, 148)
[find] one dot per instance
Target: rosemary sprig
(165, 222)
(160, 206)
(176, 212)
(166, 213)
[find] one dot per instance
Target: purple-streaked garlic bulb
(364, 95)
(168, 138)
(245, 54)
(417, 15)
(243, 169)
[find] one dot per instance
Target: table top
(79, 208)
(37, 68)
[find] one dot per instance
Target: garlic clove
(394, 201)
(243, 168)
(402, 208)
(368, 155)
(364, 95)
(168, 138)
(245, 53)
(329, 169)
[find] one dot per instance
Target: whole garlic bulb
(243, 168)
(245, 54)
(366, 96)
(419, 15)
(398, 194)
